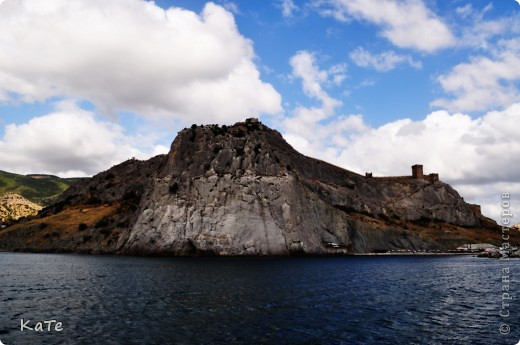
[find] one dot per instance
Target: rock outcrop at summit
(243, 190)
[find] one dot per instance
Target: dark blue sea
(340, 300)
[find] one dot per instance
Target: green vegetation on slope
(40, 189)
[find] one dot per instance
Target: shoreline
(330, 254)
(411, 254)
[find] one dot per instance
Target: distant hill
(40, 189)
(14, 206)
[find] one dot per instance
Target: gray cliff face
(242, 190)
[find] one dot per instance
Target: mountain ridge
(41, 189)
(243, 190)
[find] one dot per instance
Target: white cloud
(490, 78)
(407, 23)
(231, 7)
(484, 82)
(305, 129)
(67, 142)
(288, 8)
(382, 62)
(468, 10)
(131, 55)
(160, 150)
(304, 67)
(300, 125)
(478, 32)
(465, 11)
(338, 73)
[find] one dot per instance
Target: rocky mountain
(14, 206)
(243, 190)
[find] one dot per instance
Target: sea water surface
(340, 300)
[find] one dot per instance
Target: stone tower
(417, 171)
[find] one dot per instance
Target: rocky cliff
(242, 190)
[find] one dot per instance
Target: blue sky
(369, 85)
